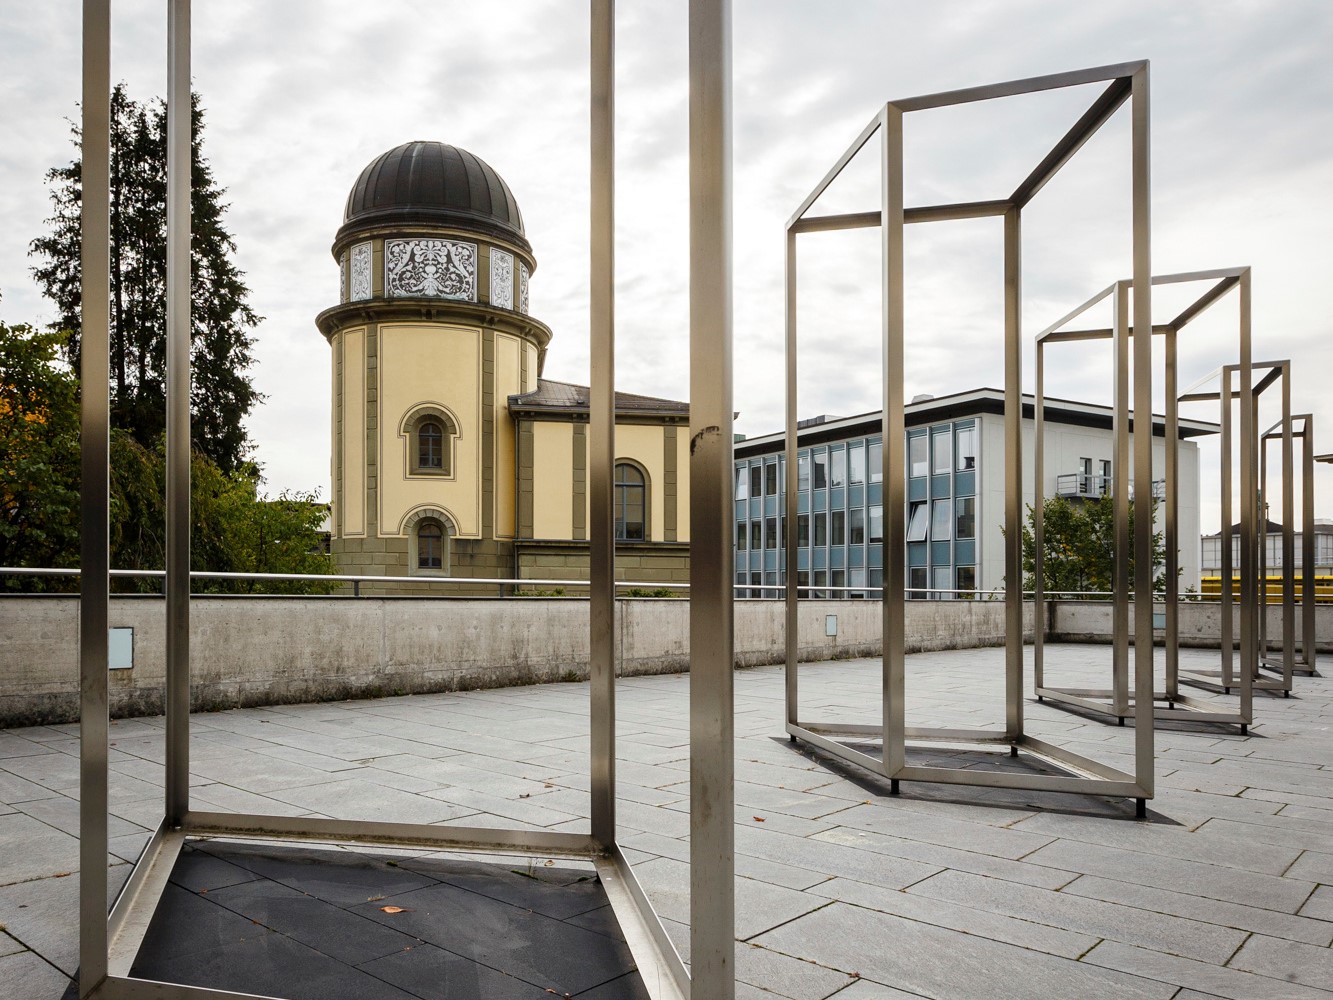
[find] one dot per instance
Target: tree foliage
(1079, 547)
(39, 455)
(221, 347)
(234, 527)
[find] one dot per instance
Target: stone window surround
(407, 430)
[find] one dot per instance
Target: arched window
(430, 445)
(631, 503)
(430, 544)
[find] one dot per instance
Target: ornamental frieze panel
(523, 288)
(342, 277)
(437, 269)
(502, 279)
(361, 257)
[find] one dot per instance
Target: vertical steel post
(792, 632)
(1171, 530)
(1120, 436)
(1143, 507)
(1227, 597)
(1249, 501)
(1039, 522)
(1013, 475)
(177, 582)
(712, 636)
(894, 445)
(1288, 535)
(1308, 653)
(601, 430)
(94, 504)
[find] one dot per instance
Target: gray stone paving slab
(1099, 919)
(944, 891)
(1211, 979)
(1320, 904)
(1193, 877)
(1299, 963)
(952, 916)
(26, 975)
(944, 963)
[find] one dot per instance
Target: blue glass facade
(840, 516)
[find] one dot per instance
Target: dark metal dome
(433, 184)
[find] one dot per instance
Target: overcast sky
(300, 95)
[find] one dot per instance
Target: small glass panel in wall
(771, 531)
(916, 455)
(771, 479)
(941, 516)
(941, 446)
(837, 527)
(803, 471)
(916, 579)
(916, 522)
(741, 534)
(837, 467)
(820, 459)
(856, 463)
(756, 541)
(756, 480)
(967, 449)
(821, 528)
(875, 460)
(966, 581)
(856, 526)
(943, 579)
(965, 519)
(802, 530)
(876, 524)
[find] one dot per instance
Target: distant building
(1323, 549)
(955, 492)
(451, 455)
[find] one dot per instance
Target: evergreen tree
(221, 347)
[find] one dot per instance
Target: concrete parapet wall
(1200, 623)
(271, 650)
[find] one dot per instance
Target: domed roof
(435, 184)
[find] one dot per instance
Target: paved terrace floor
(1226, 890)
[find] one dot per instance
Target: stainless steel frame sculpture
(1226, 392)
(107, 945)
(1283, 661)
(1125, 82)
(1307, 662)
(1117, 702)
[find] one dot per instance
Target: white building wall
(1066, 445)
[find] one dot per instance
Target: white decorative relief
(438, 269)
(361, 256)
(523, 288)
(342, 277)
(502, 279)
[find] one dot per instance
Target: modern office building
(451, 455)
(955, 493)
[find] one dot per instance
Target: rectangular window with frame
(821, 581)
(917, 580)
(755, 580)
(941, 518)
(856, 464)
(837, 581)
(916, 455)
(837, 527)
(742, 483)
(820, 460)
(837, 468)
(967, 449)
(917, 522)
(803, 472)
(857, 578)
(742, 535)
(770, 532)
(941, 448)
(965, 579)
(943, 580)
(740, 591)
(771, 479)
(821, 528)
(856, 526)
(756, 481)
(802, 531)
(803, 583)
(965, 517)
(876, 524)
(875, 462)
(756, 535)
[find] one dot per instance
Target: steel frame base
(1176, 708)
(1082, 775)
(137, 903)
